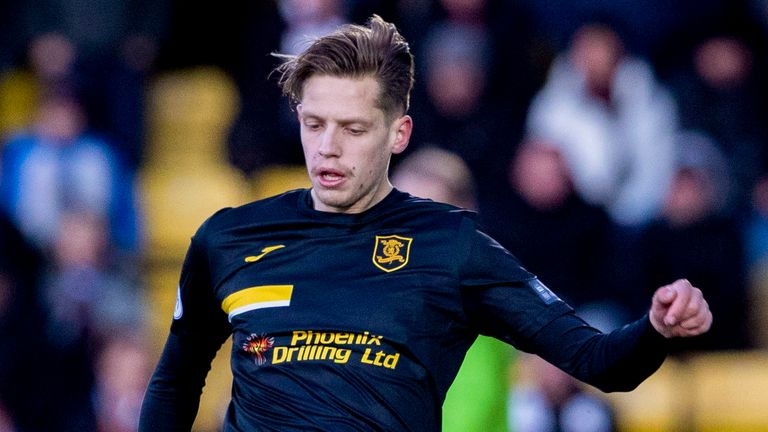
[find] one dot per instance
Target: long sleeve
(503, 300)
(198, 330)
(172, 398)
(616, 361)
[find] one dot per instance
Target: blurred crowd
(612, 146)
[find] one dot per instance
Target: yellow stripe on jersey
(258, 297)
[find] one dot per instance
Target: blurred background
(613, 146)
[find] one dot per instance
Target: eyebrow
(347, 121)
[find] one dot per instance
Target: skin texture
(679, 310)
(348, 142)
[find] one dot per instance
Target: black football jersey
(355, 321)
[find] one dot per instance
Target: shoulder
(20, 142)
(264, 211)
(410, 206)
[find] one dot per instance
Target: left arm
(503, 300)
(622, 359)
(616, 361)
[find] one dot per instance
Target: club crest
(391, 252)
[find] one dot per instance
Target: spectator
(719, 93)
(436, 174)
(88, 304)
(59, 165)
(614, 123)
(113, 46)
(86, 292)
(455, 112)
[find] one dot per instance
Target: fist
(679, 310)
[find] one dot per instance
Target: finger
(697, 320)
(695, 331)
(683, 290)
(695, 305)
(660, 305)
(666, 295)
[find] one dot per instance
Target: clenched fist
(680, 310)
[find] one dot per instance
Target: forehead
(331, 96)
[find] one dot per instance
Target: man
(351, 304)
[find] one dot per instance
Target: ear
(299, 108)
(403, 128)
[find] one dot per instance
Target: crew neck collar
(306, 207)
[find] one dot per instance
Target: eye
(313, 126)
(355, 131)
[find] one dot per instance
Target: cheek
(375, 164)
(306, 145)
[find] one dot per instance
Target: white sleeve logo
(543, 292)
(178, 310)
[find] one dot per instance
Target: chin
(335, 199)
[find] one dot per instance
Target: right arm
(173, 395)
(199, 328)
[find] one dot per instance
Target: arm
(517, 314)
(505, 301)
(617, 361)
(622, 359)
(173, 395)
(199, 328)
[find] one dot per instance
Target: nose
(329, 145)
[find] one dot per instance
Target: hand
(679, 310)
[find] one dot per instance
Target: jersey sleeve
(503, 300)
(198, 312)
(197, 332)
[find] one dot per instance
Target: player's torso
(379, 303)
(351, 290)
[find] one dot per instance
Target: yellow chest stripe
(257, 297)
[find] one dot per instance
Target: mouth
(329, 178)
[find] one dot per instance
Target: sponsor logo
(257, 346)
(266, 250)
(391, 252)
(335, 347)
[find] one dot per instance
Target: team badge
(391, 252)
(257, 346)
